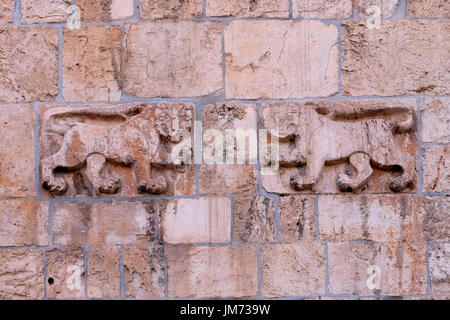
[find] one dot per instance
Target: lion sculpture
(127, 135)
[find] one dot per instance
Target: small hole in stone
(51, 281)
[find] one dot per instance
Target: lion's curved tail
(124, 111)
(362, 112)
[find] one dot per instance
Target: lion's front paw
(344, 183)
(109, 185)
(155, 186)
(55, 185)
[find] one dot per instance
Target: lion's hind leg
(95, 166)
(361, 162)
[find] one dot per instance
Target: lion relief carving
(93, 136)
(312, 135)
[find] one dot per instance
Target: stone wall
(93, 205)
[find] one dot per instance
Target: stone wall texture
(97, 96)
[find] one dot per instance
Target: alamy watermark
(229, 146)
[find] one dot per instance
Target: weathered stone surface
(6, 11)
(428, 8)
(436, 168)
(435, 119)
(23, 223)
(21, 274)
(17, 172)
(65, 273)
(378, 218)
(440, 268)
(105, 10)
(212, 272)
(254, 219)
(170, 9)
(332, 146)
(293, 269)
(281, 59)
(109, 223)
(396, 59)
(143, 269)
(91, 64)
(115, 149)
(44, 11)
(204, 220)
(230, 133)
(103, 272)
(387, 7)
(172, 59)
(402, 268)
(323, 9)
(431, 217)
(251, 8)
(219, 179)
(298, 221)
(29, 59)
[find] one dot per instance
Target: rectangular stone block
(29, 58)
(428, 9)
(237, 8)
(377, 218)
(400, 268)
(297, 218)
(143, 272)
(254, 219)
(436, 168)
(103, 272)
(204, 220)
(172, 59)
(212, 272)
(384, 218)
(65, 273)
(21, 274)
(293, 269)
(230, 133)
(387, 7)
(439, 258)
(170, 9)
(6, 11)
(105, 10)
(396, 59)
(123, 150)
(23, 223)
(435, 123)
(91, 64)
(229, 149)
(280, 59)
(17, 148)
(360, 146)
(322, 9)
(44, 11)
(108, 223)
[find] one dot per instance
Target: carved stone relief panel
(343, 146)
